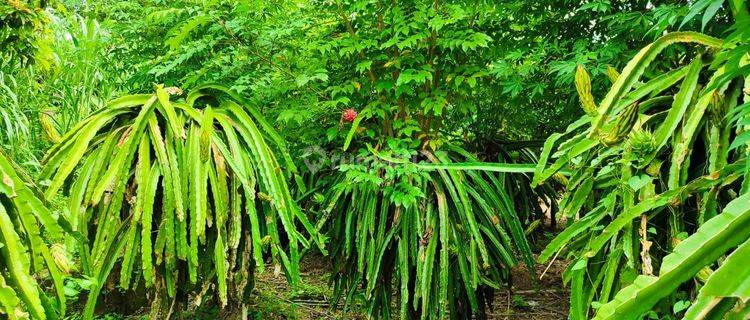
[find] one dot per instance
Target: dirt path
(273, 299)
(546, 299)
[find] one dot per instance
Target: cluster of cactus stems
(658, 191)
(183, 193)
(23, 249)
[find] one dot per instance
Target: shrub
(21, 33)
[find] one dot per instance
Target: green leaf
(679, 306)
(638, 182)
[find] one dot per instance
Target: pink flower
(349, 115)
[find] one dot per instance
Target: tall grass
(50, 96)
(81, 83)
(19, 133)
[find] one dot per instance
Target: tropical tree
(405, 217)
(27, 227)
(182, 193)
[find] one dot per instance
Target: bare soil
(534, 300)
(544, 299)
(527, 299)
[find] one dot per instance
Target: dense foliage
(308, 59)
(22, 26)
(421, 143)
(660, 182)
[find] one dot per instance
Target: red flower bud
(349, 115)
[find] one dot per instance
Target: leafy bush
(182, 193)
(25, 255)
(21, 32)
